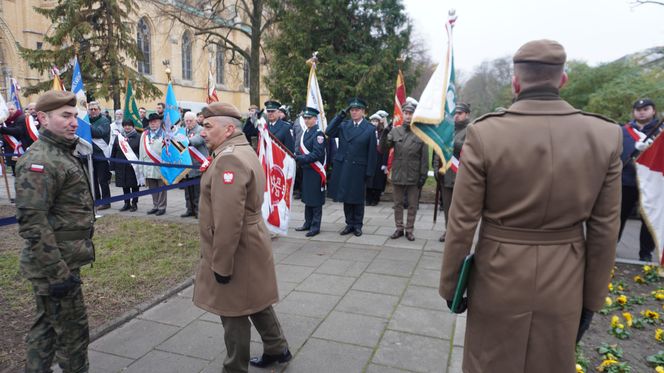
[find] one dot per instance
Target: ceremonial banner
(397, 119)
(279, 168)
(176, 143)
(314, 98)
(433, 120)
(650, 176)
(57, 82)
(14, 94)
(4, 110)
(212, 89)
(84, 129)
(131, 109)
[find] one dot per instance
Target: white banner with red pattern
(279, 168)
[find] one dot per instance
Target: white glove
(643, 145)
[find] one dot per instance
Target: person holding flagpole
(311, 156)
(634, 140)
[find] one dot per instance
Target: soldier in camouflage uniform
(55, 216)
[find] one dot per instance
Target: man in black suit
(353, 163)
(280, 129)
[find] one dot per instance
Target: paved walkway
(348, 304)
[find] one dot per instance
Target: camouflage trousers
(60, 331)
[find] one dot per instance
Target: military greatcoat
(234, 239)
(354, 160)
(537, 175)
(313, 192)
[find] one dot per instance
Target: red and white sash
(635, 134)
(156, 158)
(317, 166)
(197, 155)
(128, 152)
(31, 126)
(14, 143)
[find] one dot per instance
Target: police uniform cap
(53, 100)
(409, 107)
(310, 112)
(462, 108)
(357, 102)
(221, 109)
(154, 116)
(548, 52)
(272, 105)
(643, 102)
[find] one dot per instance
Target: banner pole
(4, 175)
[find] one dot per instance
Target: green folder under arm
(462, 282)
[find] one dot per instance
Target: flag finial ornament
(451, 16)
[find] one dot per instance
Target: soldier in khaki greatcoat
(236, 278)
(55, 217)
(544, 178)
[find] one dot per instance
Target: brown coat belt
(526, 236)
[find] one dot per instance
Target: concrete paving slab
(374, 368)
(434, 246)
(297, 330)
(392, 267)
(456, 360)
(210, 317)
(351, 328)
(432, 261)
(320, 248)
(403, 243)
(187, 293)
(163, 362)
(354, 253)
(412, 352)
(200, 339)
(319, 355)
(135, 339)
(423, 297)
(399, 254)
(107, 363)
(285, 288)
(307, 304)
(426, 277)
(438, 324)
(371, 304)
(330, 236)
(382, 284)
(460, 331)
(367, 239)
(255, 349)
(342, 267)
(173, 311)
(326, 284)
(303, 259)
(292, 273)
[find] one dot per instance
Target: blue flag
(84, 129)
(13, 94)
(176, 143)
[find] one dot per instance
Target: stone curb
(136, 310)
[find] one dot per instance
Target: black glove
(463, 306)
(61, 289)
(584, 324)
(421, 181)
(222, 279)
(343, 113)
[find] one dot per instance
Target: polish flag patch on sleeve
(229, 177)
(37, 168)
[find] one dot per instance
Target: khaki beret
(221, 109)
(52, 100)
(543, 51)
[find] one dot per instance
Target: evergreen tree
(99, 32)
(358, 43)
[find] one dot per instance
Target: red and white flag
(279, 168)
(650, 176)
(212, 89)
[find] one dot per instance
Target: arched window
(220, 65)
(186, 56)
(143, 40)
(246, 73)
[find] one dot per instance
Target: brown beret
(221, 109)
(52, 100)
(543, 51)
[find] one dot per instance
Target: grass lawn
(135, 260)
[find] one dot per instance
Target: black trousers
(630, 197)
(354, 214)
(127, 190)
(191, 195)
(373, 196)
(312, 217)
(102, 177)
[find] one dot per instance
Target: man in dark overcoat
(353, 162)
(310, 155)
(281, 130)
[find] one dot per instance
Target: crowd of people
(544, 178)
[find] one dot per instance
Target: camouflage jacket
(54, 211)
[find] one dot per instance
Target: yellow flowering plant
(658, 294)
(618, 329)
(651, 317)
(656, 360)
(659, 335)
(651, 273)
(628, 319)
(613, 366)
(639, 280)
(659, 369)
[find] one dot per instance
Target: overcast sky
(594, 31)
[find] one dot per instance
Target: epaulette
(489, 115)
(599, 116)
(228, 150)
